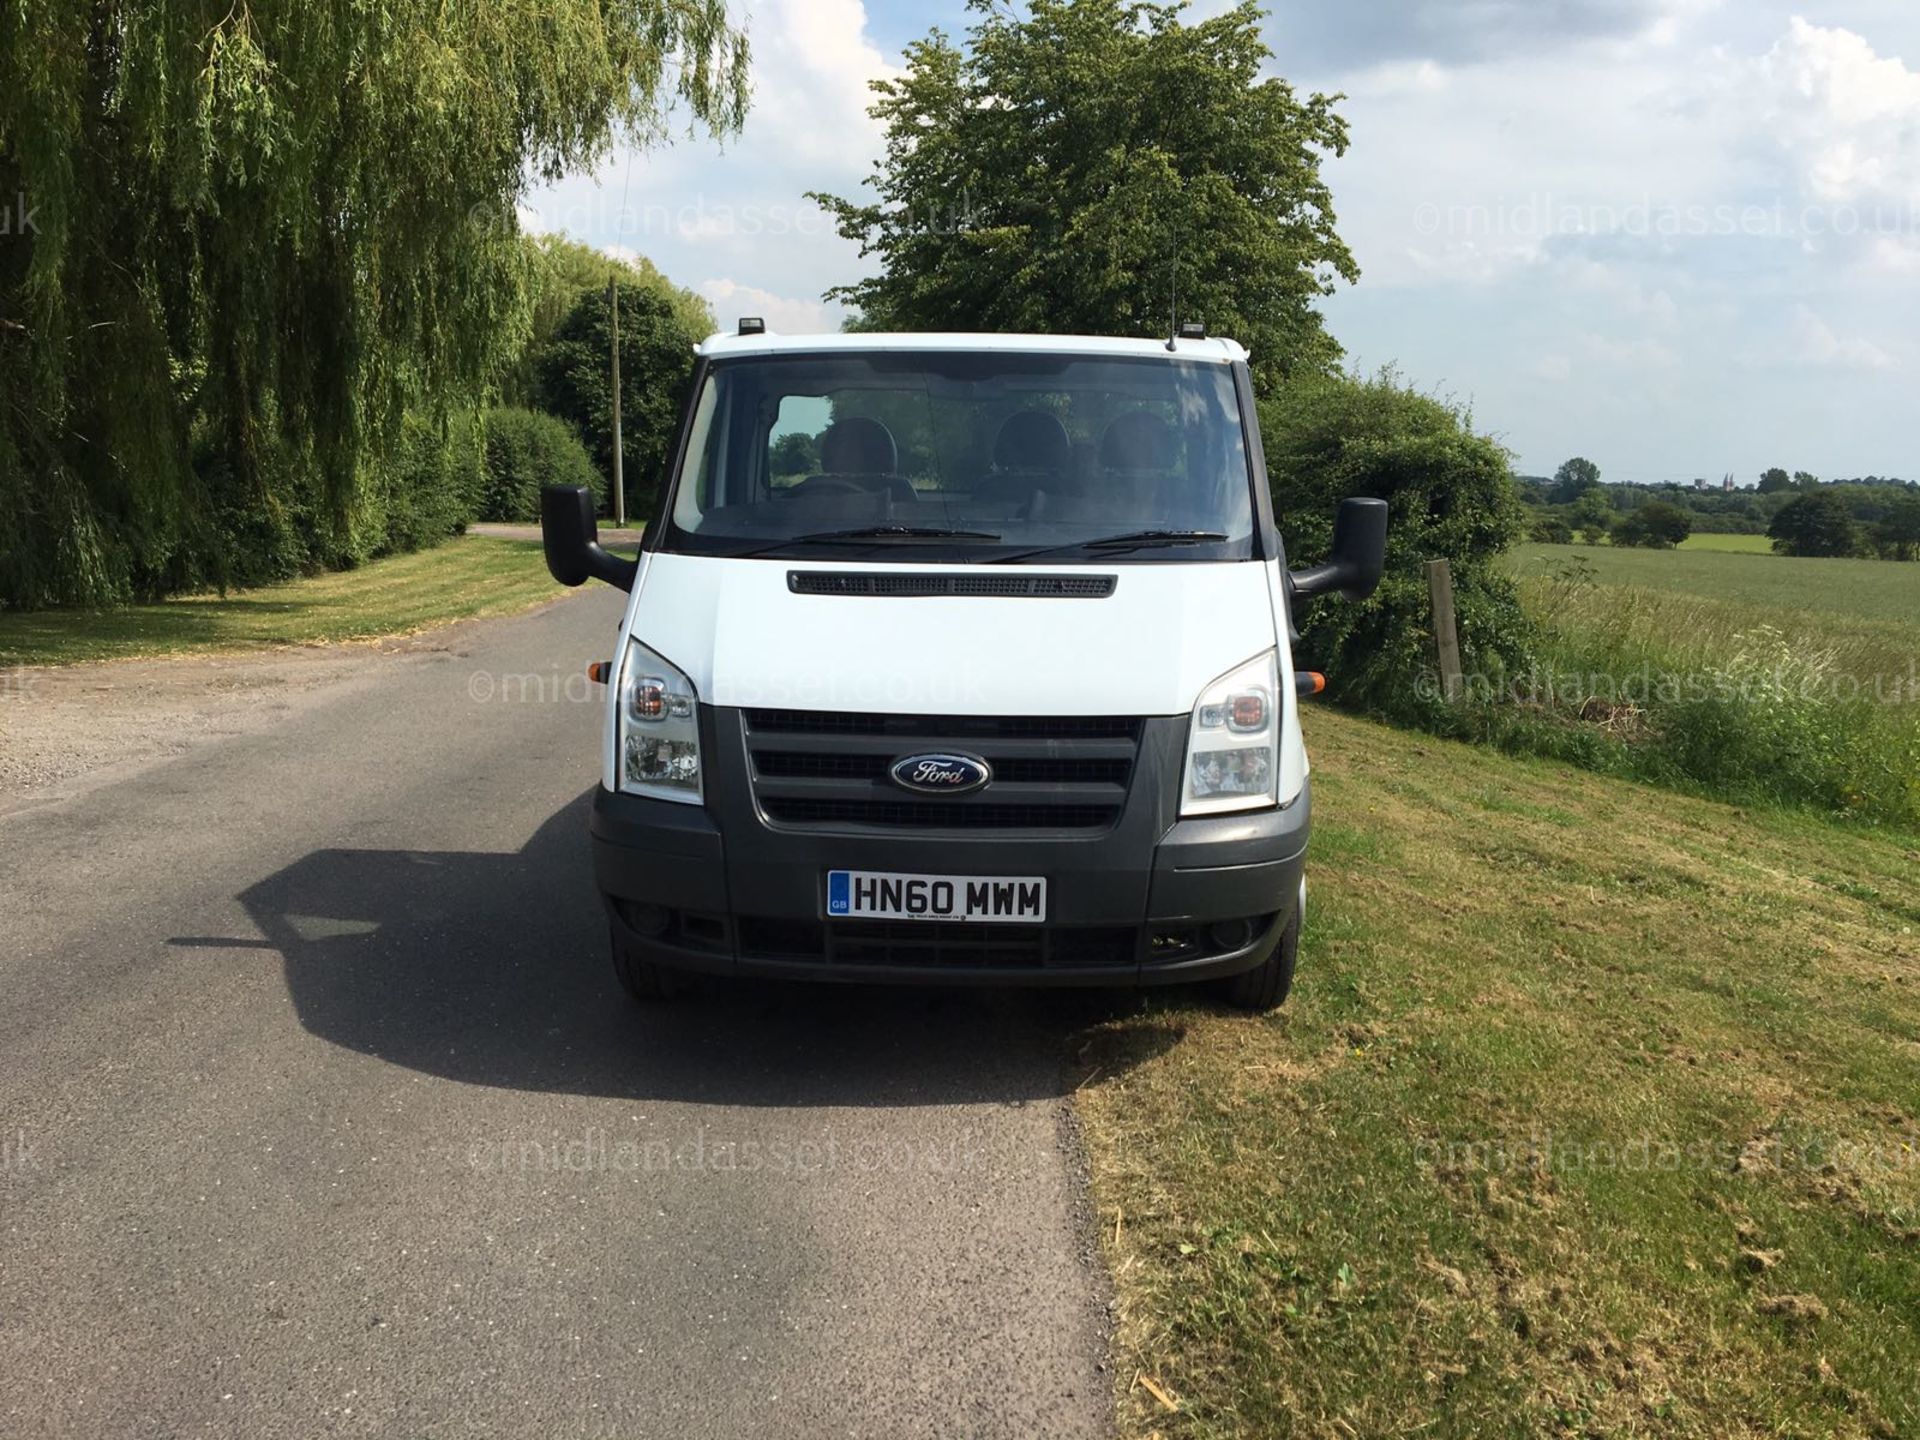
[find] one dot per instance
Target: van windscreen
(984, 456)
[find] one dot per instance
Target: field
(1747, 677)
(1777, 585)
(1859, 618)
(1733, 544)
(1596, 1111)
(464, 578)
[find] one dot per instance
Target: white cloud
(698, 207)
(1845, 120)
(1514, 168)
(730, 300)
(1892, 256)
(1623, 290)
(812, 64)
(1816, 343)
(1339, 32)
(1636, 354)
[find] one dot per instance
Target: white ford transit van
(959, 658)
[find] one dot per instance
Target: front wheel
(1265, 986)
(645, 982)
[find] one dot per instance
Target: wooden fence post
(1446, 635)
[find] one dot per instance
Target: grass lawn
(466, 577)
(1596, 1111)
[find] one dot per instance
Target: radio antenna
(1173, 298)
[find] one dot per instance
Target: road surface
(320, 1113)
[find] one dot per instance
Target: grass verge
(460, 580)
(1594, 1113)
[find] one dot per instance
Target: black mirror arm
(571, 538)
(1316, 579)
(615, 570)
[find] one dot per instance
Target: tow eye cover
(940, 774)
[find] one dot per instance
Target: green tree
(526, 450)
(562, 270)
(795, 453)
(264, 234)
(1817, 523)
(1896, 535)
(1076, 156)
(1775, 480)
(1656, 525)
(1805, 480)
(656, 362)
(1573, 479)
(1550, 530)
(1592, 515)
(1451, 495)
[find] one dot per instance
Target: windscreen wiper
(1114, 544)
(866, 535)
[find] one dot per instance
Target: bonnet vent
(881, 583)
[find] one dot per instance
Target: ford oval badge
(940, 774)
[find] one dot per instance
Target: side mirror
(1359, 554)
(571, 537)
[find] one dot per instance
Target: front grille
(831, 769)
(932, 945)
(1003, 586)
(920, 728)
(1034, 770)
(935, 814)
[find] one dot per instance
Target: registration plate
(889, 895)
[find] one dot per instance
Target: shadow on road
(492, 969)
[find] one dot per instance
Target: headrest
(1138, 440)
(858, 446)
(1032, 440)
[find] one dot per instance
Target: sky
(1679, 237)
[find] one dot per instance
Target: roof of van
(726, 345)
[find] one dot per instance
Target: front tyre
(1265, 986)
(645, 982)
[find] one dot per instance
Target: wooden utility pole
(1446, 635)
(619, 478)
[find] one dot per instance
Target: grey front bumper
(717, 889)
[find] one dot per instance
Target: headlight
(659, 729)
(1232, 758)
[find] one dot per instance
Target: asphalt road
(320, 1114)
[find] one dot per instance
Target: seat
(1138, 440)
(857, 457)
(1031, 452)
(1032, 440)
(858, 445)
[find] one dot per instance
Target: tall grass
(1744, 702)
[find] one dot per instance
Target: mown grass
(1594, 1113)
(462, 579)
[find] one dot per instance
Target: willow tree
(1076, 162)
(250, 238)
